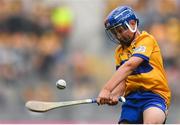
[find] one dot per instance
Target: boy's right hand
(113, 100)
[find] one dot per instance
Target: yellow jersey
(150, 74)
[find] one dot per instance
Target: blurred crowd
(35, 51)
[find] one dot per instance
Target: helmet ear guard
(130, 28)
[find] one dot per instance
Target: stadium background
(44, 40)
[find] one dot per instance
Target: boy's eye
(113, 31)
(121, 28)
(118, 29)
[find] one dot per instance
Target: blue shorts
(137, 102)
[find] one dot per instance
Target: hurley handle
(121, 99)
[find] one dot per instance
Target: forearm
(121, 74)
(119, 90)
(117, 79)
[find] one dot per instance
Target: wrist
(107, 89)
(117, 94)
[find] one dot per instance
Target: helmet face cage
(112, 32)
(119, 29)
(112, 37)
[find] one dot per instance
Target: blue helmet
(120, 16)
(118, 20)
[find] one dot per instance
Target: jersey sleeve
(144, 48)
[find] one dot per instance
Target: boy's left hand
(104, 97)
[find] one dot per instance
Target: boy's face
(123, 34)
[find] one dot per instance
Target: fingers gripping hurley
(40, 106)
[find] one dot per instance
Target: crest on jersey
(140, 49)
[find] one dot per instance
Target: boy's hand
(104, 97)
(113, 100)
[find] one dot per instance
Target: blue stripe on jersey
(144, 67)
(117, 67)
